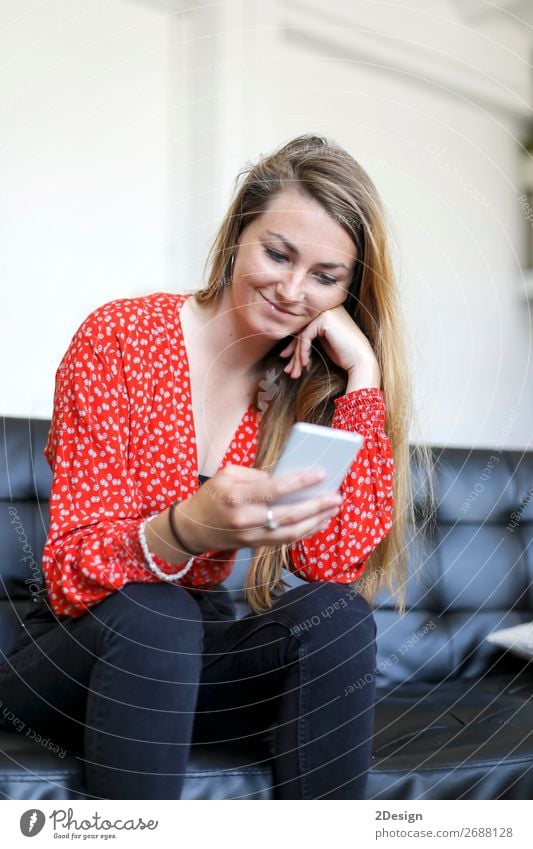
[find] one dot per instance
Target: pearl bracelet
(150, 561)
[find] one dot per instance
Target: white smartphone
(311, 446)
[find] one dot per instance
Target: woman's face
(294, 256)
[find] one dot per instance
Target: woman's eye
(275, 255)
(278, 257)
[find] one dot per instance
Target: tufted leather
(454, 714)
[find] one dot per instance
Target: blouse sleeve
(96, 507)
(339, 552)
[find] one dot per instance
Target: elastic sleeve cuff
(207, 566)
(362, 410)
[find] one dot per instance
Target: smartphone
(311, 446)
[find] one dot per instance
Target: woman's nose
(290, 289)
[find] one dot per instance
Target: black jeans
(153, 669)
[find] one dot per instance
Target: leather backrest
(25, 480)
(472, 573)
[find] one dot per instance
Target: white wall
(84, 208)
(130, 190)
(433, 110)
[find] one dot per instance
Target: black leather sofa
(454, 714)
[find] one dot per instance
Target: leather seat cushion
(28, 770)
(455, 739)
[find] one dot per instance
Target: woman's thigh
(46, 684)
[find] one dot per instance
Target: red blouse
(122, 447)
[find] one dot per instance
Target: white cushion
(518, 639)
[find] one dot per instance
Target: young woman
(135, 658)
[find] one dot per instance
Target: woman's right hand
(230, 510)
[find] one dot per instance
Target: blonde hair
(328, 174)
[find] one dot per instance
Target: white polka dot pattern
(122, 447)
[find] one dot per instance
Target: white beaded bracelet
(150, 562)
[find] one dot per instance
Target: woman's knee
(156, 615)
(329, 609)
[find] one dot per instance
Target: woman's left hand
(340, 337)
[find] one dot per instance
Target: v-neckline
(188, 385)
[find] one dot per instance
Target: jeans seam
(303, 730)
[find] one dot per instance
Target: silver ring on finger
(271, 523)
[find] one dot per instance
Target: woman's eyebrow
(294, 249)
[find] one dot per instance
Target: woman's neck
(216, 329)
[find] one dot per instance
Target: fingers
(284, 484)
(314, 510)
(300, 348)
(300, 530)
(236, 507)
(297, 368)
(288, 348)
(297, 371)
(295, 519)
(270, 488)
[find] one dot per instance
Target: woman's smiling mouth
(275, 308)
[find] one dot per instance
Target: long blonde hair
(328, 174)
